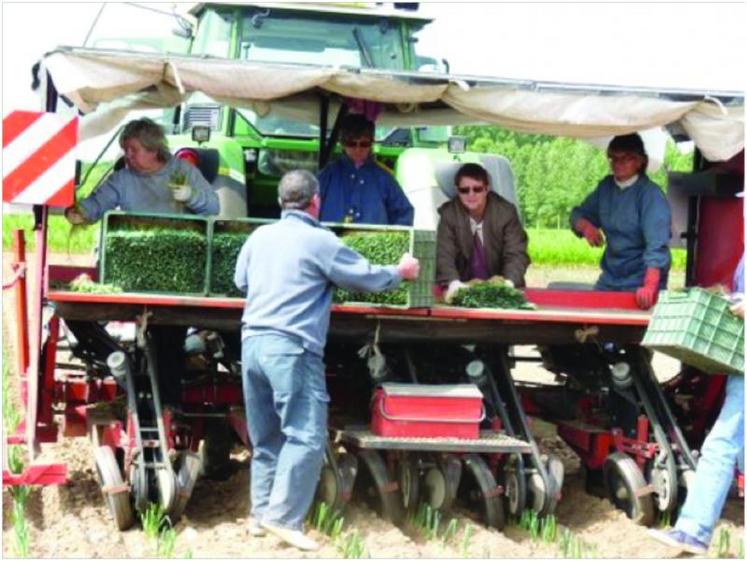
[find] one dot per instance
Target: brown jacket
(504, 239)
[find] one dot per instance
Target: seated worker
(634, 215)
(479, 234)
(355, 188)
(152, 180)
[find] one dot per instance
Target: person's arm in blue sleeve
(398, 208)
(107, 197)
(242, 262)
(203, 200)
(588, 210)
(656, 222)
(349, 270)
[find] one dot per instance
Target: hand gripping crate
(696, 327)
(419, 410)
(227, 237)
(384, 245)
(155, 253)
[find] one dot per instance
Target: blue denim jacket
(288, 270)
(366, 195)
(637, 223)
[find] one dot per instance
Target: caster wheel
(626, 488)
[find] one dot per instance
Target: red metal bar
(46, 390)
(49, 474)
(592, 299)
(22, 328)
(68, 273)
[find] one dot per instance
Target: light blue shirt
(637, 224)
(739, 277)
(149, 192)
(288, 270)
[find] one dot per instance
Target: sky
(683, 45)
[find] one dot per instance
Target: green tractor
(243, 151)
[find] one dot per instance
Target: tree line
(554, 174)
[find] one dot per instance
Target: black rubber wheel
(514, 480)
(626, 488)
(116, 494)
(479, 492)
(376, 488)
(216, 450)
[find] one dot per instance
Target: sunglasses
(466, 190)
(357, 144)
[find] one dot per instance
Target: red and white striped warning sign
(39, 158)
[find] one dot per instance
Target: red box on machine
(418, 410)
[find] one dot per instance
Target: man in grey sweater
(288, 270)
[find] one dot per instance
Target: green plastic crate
(136, 256)
(696, 327)
(227, 236)
(411, 294)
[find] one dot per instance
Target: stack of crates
(695, 326)
(384, 245)
(155, 253)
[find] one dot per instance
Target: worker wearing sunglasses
(355, 188)
(479, 234)
(629, 214)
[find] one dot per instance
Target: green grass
(562, 247)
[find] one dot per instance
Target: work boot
(296, 538)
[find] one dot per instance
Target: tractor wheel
(374, 485)
(479, 492)
(216, 451)
(626, 488)
(116, 492)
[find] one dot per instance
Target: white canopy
(88, 77)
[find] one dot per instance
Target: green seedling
(153, 520)
(549, 529)
(166, 543)
(225, 251)
(490, 294)
(352, 546)
(450, 531)
(466, 541)
(380, 248)
(665, 520)
(740, 549)
(724, 543)
(156, 260)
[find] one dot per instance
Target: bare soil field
(72, 521)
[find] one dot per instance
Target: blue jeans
(286, 410)
(722, 450)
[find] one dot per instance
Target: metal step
(489, 442)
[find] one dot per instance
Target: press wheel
(479, 492)
(374, 485)
(408, 476)
(186, 477)
(627, 489)
(116, 492)
(336, 485)
(514, 485)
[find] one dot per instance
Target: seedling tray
(384, 245)
(696, 327)
(226, 240)
(155, 253)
